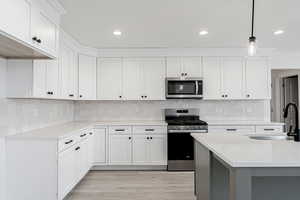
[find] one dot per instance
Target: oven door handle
(187, 131)
(197, 88)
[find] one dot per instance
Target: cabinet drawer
(149, 129)
(126, 130)
(231, 129)
(269, 129)
(67, 142)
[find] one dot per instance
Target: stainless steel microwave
(188, 88)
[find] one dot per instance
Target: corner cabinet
(32, 79)
(236, 78)
(87, 77)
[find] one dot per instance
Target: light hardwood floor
(133, 185)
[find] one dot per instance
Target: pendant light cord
(253, 6)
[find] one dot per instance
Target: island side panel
(240, 184)
(219, 180)
(202, 172)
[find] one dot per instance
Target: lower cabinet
(120, 147)
(99, 146)
(246, 129)
(148, 149)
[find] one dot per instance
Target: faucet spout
(295, 133)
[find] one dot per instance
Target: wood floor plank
(135, 185)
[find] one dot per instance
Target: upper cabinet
(87, 77)
(68, 72)
(184, 67)
(29, 28)
(233, 78)
(257, 78)
(109, 79)
(44, 32)
(131, 79)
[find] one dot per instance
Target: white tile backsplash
(154, 110)
(17, 115)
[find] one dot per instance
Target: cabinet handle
(182, 74)
(223, 95)
(69, 142)
(129, 138)
(77, 148)
(226, 95)
(231, 129)
(185, 74)
(91, 133)
(149, 129)
(269, 129)
(248, 95)
(151, 138)
(39, 41)
(146, 96)
(147, 138)
(80, 96)
(119, 130)
(34, 38)
(71, 95)
(83, 135)
(120, 97)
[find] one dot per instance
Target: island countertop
(241, 151)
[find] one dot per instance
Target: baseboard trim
(130, 167)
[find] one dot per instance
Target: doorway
(285, 89)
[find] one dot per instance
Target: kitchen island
(236, 167)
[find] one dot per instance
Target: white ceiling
(176, 23)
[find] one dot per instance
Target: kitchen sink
(271, 137)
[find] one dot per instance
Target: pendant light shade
(252, 46)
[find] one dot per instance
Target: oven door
(180, 152)
(184, 89)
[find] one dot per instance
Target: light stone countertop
(242, 123)
(241, 151)
(64, 130)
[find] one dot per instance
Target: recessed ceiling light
(117, 33)
(278, 32)
(204, 32)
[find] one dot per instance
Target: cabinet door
(232, 76)
(140, 149)
(257, 79)
(73, 72)
(174, 67)
(66, 171)
(39, 78)
(52, 78)
(91, 147)
(109, 79)
(120, 149)
(87, 77)
(158, 149)
(132, 89)
(15, 18)
(192, 66)
(45, 31)
(153, 76)
(100, 146)
(211, 78)
(82, 160)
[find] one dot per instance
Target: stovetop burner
(186, 122)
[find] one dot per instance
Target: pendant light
(252, 39)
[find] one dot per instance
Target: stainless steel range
(181, 123)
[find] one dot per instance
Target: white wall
(153, 110)
(22, 115)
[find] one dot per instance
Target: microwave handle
(197, 88)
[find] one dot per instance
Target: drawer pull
(231, 129)
(269, 129)
(77, 148)
(70, 141)
(120, 130)
(83, 135)
(91, 133)
(149, 129)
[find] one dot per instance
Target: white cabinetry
(184, 67)
(68, 72)
(100, 146)
(109, 79)
(30, 28)
(120, 148)
(258, 81)
(158, 149)
(132, 79)
(87, 77)
(15, 18)
(32, 79)
(231, 78)
(246, 129)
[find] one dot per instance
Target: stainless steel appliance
(188, 88)
(181, 123)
